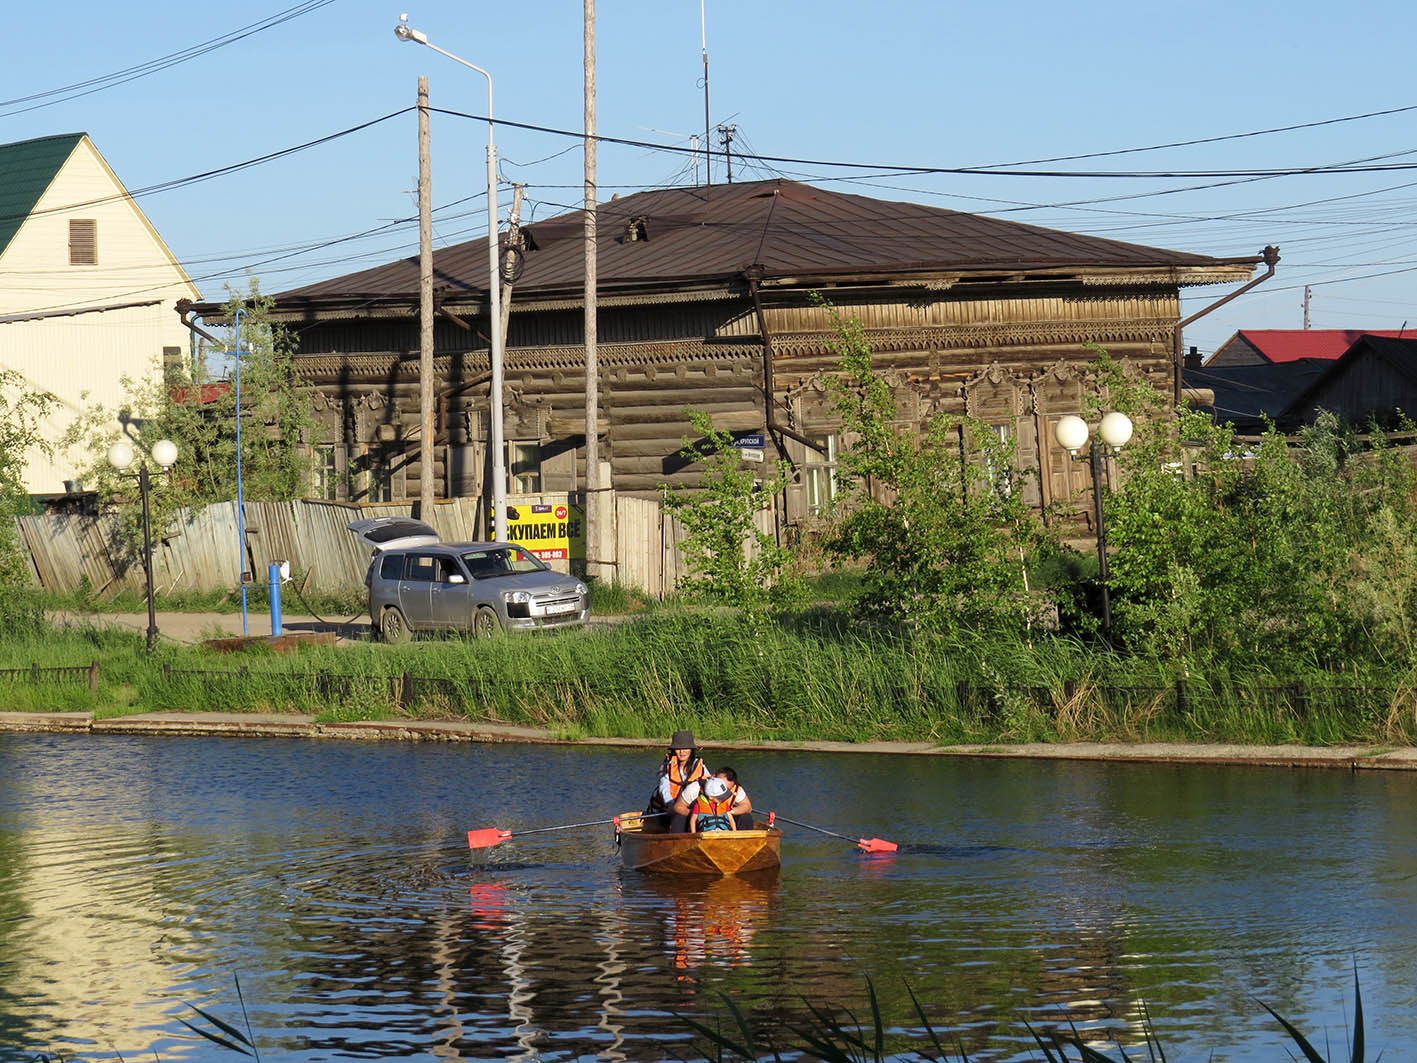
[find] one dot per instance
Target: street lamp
(1114, 431)
(404, 32)
(121, 456)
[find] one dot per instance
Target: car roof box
(388, 533)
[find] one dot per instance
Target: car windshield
(501, 561)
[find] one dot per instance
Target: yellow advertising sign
(551, 532)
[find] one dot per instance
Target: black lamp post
(1114, 431)
(121, 456)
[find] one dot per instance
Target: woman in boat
(742, 804)
(677, 787)
(713, 808)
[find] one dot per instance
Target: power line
(152, 66)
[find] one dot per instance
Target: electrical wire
(120, 77)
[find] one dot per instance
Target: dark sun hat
(682, 740)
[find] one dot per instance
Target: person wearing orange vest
(713, 808)
(742, 804)
(677, 787)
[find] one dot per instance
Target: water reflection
(138, 875)
(708, 921)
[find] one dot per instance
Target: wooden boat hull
(720, 853)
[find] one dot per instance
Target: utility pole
(1306, 306)
(425, 307)
(708, 143)
(725, 135)
(512, 260)
(595, 530)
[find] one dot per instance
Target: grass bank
(813, 679)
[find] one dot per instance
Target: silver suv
(418, 583)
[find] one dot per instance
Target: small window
(996, 455)
(819, 473)
(421, 567)
(391, 567)
(383, 474)
(83, 242)
(526, 468)
(324, 481)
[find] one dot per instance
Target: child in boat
(742, 806)
(713, 808)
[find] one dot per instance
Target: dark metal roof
(27, 168)
(711, 234)
(1249, 395)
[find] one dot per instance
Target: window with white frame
(996, 463)
(819, 472)
(525, 465)
(324, 474)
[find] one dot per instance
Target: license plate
(561, 607)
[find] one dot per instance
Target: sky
(178, 97)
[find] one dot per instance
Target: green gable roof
(26, 169)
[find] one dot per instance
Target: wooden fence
(199, 551)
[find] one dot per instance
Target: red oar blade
(876, 845)
(487, 837)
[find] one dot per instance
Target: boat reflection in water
(709, 922)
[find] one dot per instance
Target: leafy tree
(22, 409)
(195, 407)
(944, 536)
(729, 558)
(1253, 551)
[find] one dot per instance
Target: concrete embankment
(247, 725)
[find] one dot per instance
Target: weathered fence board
(200, 550)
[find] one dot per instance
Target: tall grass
(813, 679)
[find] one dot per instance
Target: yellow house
(87, 289)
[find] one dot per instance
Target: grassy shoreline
(810, 680)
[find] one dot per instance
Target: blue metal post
(273, 574)
(240, 501)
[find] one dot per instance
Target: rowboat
(724, 852)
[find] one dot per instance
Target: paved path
(192, 628)
(1347, 758)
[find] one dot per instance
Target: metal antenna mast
(703, 39)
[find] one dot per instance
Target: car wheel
(393, 627)
(485, 623)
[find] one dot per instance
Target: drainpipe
(1270, 257)
(754, 275)
(184, 309)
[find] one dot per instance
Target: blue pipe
(273, 574)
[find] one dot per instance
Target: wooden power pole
(596, 525)
(425, 308)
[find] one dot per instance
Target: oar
(866, 845)
(490, 836)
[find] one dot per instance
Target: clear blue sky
(887, 83)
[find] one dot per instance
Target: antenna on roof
(703, 40)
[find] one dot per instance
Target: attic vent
(83, 242)
(635, 230)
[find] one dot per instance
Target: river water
(321, 896)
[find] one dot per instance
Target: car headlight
(581, 588)
(519, 597)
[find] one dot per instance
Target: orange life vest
(678, 778)
(713, 815)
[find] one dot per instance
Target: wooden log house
(705, 301)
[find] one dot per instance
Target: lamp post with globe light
(121, 456)
(1114, 431)
(404, 32)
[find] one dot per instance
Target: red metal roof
(788, 229)
(1290, 344)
